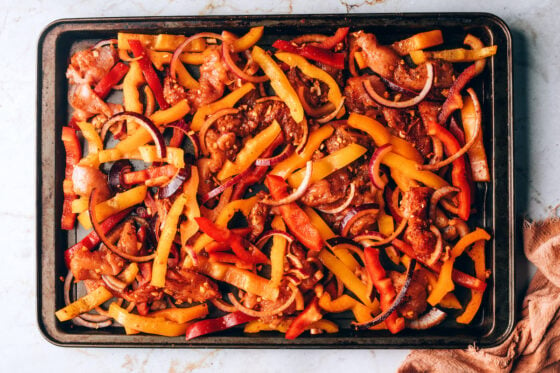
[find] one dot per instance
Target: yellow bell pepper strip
(248, 40)
(80, 205)
(252, 149)
(296, 219)
(403, 182)
(312, 313)
(475, 43)
(419, 41)
(84, 304)
(445, 282)
(227, 102)
(164, 58)
(131, 96)
(450, 300)
(168, 233)
(120, 202)
(329, 164)
(381, 136)
(293, 60)
(454, 55)
(146, 324)
(345, 303)
(243, 205)
(385, 223)
(129, 273)
(279, 83)
(182, 315)
(146, 153)
(477, 153)
(162, 42)
(90, 134)
(174, 113)
(277, 253)
(409, 170)
(477, 255)
(90, 160)
(189, 227)
(295, 161)
(257, 326)
(240, 278)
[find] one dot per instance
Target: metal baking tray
(495, 200)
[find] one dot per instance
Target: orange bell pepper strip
(90, 134)
(419, 41)
(445, 282)
(477, 255)
(450, 300)
(329, 164)
(308, 316)
(120, 202)
(84, 304)
(384, 287)
(277, 253)
(182, 315)
(252, 149)
(226, 102)
(475, 43)
(248, 40)
(279, 83)
(73, 151)
(477, 153)
(454, 55)
(189, 227)
(381, 136)
(344, 303)
(146, 324)
(295, 218)
(162, 42)
(168, 233)
(293, 60)
(409, 170)
(295, 161)
(459, 171)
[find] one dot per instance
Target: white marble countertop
(536, 33)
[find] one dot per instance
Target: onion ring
(179, 50)
(430, 319)
(331, 116)
(299, 192)
(273, 312)
(375, 163)
(230, 63)
(437, 196)
(385, 241)
(344, 205)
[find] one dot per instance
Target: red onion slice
(356, 213)
(344, 205)
(331, 116)
(408, 103)
(438, 250)
(299, 192)
(103, 43)
(230, 63)
(376, 236)
(430, 319)
(114, 283)
(145, 123)
(437, 196)
(184, 127)
(398, 300)
(273, 161)
(180, 48)
(174, 184)
(374, 164)
(115, 178)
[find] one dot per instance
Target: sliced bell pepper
(146, 324)
(73, 151)
(150, 173)
(90, 134)
(183, 76)
(131, 96)
(248, 40)
(119, 202)
(84, 304)
(208, 326)
(409, 169)
(384, 287)
(169, 43)
(148, 154)
(277, 253)
(329, 164)
(252, 149)
(279, 83)
(454, 55)
(235, 241)
(189, 227)
(475, 43)
(308, 316)
(129, 273)
(312, 52)
(171, 114)
(293, 60)
(345, 303)
(477, 153)
(182, 315)
(332, 41)
(419, 41)
(168, 233)
(226, 102)
(295, 218)
(111, 79)
(450, 300)
(459, 171)
(295, 161)
(477, 255)
(148, 71)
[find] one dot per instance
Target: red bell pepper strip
(312, 52)
(111, 79)
(461, 278)
(92, 239)
(73, 155)
(149, 73)
(208, 326)
(307, 317)
(296, 219)
(235, 241)
(459, 173)
(384, 287)
(137, 177)
(454, 100)
(332, 41)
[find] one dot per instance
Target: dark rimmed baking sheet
(495, 203)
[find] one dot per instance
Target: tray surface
(495, 204)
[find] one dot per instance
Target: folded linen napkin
(534, 344)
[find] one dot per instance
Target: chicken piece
(213, 78)
(85, 179)
(188, 286)
(257, 218)
(381, 59)
(264, 113)
(83, 99)
(409, 126)
(414, 302)
(89, 66)
(344, 136)
(316, 92)
(415, 78)
(173, 92)
(128, 242)
(357, 99)
(415, 207)
(328, 190)
(144, 293)
(86, 264)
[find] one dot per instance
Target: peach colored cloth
(534, 345)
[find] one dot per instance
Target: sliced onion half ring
(274, 232)
(273, 161)
(99, 230)
(145, 123)
(174, 184)
(398, 300)
(355, 213)
(208, 123)
(299, 192)
(304, 136)
(438, 250)
(184, 127)
(331, 116)
(269, 313)
(115, 178)
(103, 43)
(430, 319)
(375, 163)
(226, 51)
(408, 103)
(437, 196)
(180, 48)
(345, 204)
(383, 241)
